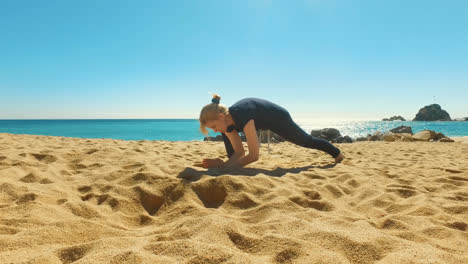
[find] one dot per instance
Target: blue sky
(339, 59)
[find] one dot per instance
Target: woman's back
(262, 111)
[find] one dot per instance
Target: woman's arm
(239, 159)
(236, 143)
(234, 149)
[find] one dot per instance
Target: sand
(461, 139)
(72, 200)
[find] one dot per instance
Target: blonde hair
(210, 111)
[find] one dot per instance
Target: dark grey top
(263, 112)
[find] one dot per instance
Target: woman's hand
(212, 163)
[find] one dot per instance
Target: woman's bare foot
(339, 158)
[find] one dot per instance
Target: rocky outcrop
(391, 137)
(402, 129)
(439, 136)
(394, 118)
(424, 135)
(401, 133)
(345, 139)
(363, 138)
(466, 118)
(377, 136)
(432, 112)
(326, 133)
(429, 135)
(405, 133)
(332, 135)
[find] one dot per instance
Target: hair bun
(215, 99)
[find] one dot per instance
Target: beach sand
(72, 200)
(461, 139)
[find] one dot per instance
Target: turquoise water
(187, 129)
(362, 128)
(127, 129)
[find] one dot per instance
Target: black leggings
(290, 131)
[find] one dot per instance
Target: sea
(188, 129)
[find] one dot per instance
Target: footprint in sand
(453, 171)
(133, 165)
(335, 191)
(72, 254)
(353, 183)
(458, 178)
(317, 205)
(85, 189)
(46, 181)
(150, 202)
(91, 151)
(459, 196)
(402, 190)
(26, 198)
(211, 193)
(45, 158)
(244, 243)
(287, 255)
(391, 223)
(462, 226)
(30, 178)
(33, 178)
(244, 202)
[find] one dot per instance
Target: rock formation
(432, 112)
(332, 135)
(394, 118)
(402, 129)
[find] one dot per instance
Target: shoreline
(188, 129)
(463, 139)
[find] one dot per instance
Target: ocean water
(356, 129)
(188, 129)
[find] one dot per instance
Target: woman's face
(218, 125)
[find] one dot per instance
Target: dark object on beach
(345, 139)
(332, 135)
(217, 138)
(446, 140)
(393, 118)
(432, 112)
(362, 139)
(439, 136)
(466, 118)
(402, 129)
(326, 133)
(377, 136)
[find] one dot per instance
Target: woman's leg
(290, 131)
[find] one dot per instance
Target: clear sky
(341, 59)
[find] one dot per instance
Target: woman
(248, 115)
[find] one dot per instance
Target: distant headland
(433, 112)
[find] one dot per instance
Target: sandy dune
(71, 200)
